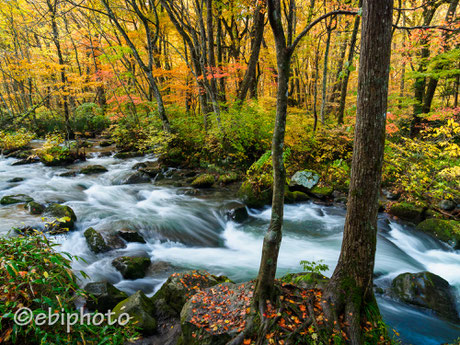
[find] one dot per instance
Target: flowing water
(193, 232)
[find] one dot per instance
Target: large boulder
(131, 236)
(60, 218)
(203, 181)
(255, 196)
(103, 296)
(179, 287)
(236, 212)
(200, 315)
(137, 177)
(303, 181)
(445, 230)
(16, 199)
(95, 241)
(407, 211)
(141, 309)
(126, 155)
(427, 290)
(93, 169)
(131, 267)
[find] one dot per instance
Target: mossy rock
(294, 197)
(306, 280)
(126, 155)
(178, 288)
(141, 309)
(253, 197)
(106, 143)
(174, 157)
(103, 296)
(203, 181)
(16, 199)
(34, 207)
(445, 230)
(236, 212)
(228, 178)
(131, 267)
(95, 241)
(427, 290)
(322, 192)
(407, 211)
(62, 218)
(93, 169)
(131, 236)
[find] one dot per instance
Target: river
(192, 231)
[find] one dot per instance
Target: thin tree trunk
(324, 89)
(350, 289)
(346, 77)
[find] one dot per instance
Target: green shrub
(15, 140)
(35, 276)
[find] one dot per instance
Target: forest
(230, 171)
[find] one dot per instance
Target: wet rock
(447, 205)
(306, 280)
(427, 290)
(115, 242)
(93, 169)
(236, 212)
(95, 241)
(104, 297)
(126, 155)
(141, 309)
(16, 180)
(131, 267)
(179, 287)
(159, 267)
(444, 230)
(70, 173)
(137, 177)
(407, 211)
(303, 181)
(28, 160)
(295, 197)
(131, 236)
(203, 181)
(16, 199)
(62, 218)
(35, 208)
(255, 197)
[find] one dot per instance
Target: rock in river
(131, 267)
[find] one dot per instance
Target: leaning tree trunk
(350, 288)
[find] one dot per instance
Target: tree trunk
(350, 288)
(264, 289)
(324, 89)
(346, 77)
(256, 42)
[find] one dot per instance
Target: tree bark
(346, 77)
(350, 288)
(256, 42)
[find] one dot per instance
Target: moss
(322, 192)
(34, 207)
(253, 196)
(444, 230)
(141, 309)
(203, 181)
(294, 197)
(64, 217)
(15, 199)
(93, 169)
(228, 178)
(132, 267)
(407, 211)
(95, 241)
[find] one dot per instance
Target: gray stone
(137, 177)
(131, 267)
(303, 181)
(104, 296)
(427, 290)
(447, 205)
(131, 236)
